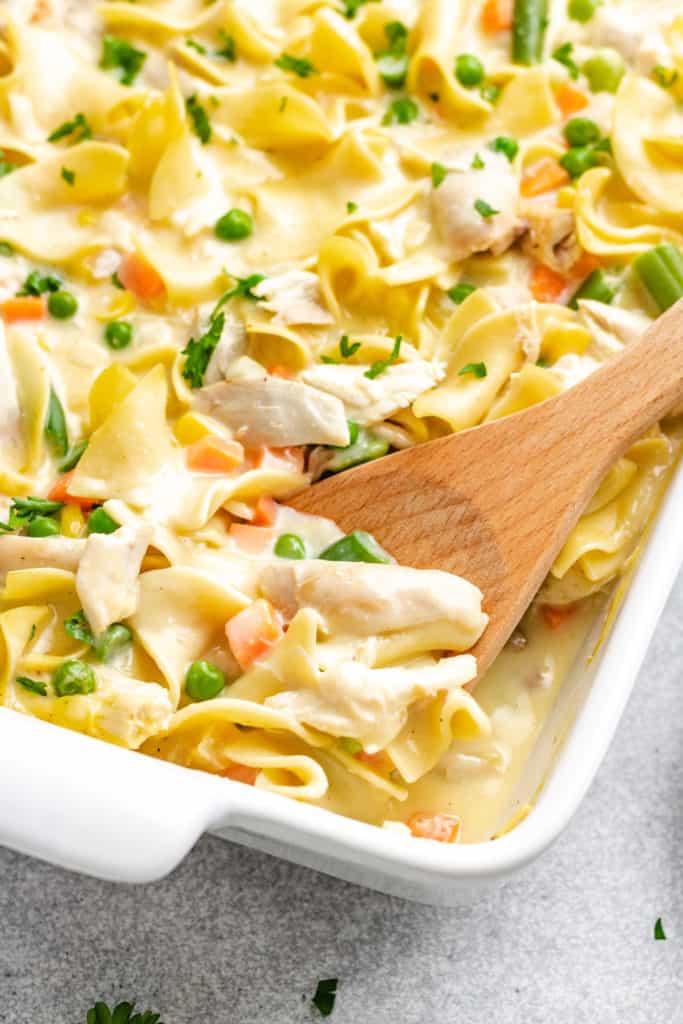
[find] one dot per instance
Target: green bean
(529, 23)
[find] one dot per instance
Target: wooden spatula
(496, 503)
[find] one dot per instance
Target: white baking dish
(86, 805)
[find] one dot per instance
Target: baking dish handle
(95, 808)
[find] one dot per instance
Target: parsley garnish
(483, 208)
(664, 77)
(439, 173)
(55, 426)
(33, 685)
(200, 119)
(346, 350)
(459, 292)
(242, 290)
(325, 995)
(476, 369)
(477, 162)
(78, 627)
(121, 1014)
(392, 62)
(69, 176)
(78, 128)
(229, 48)
(6, 249)
(6, 167)
(351, 7)
(119, 53)
(194, 45)
(117, 282)
(401, 111)
(381, 365)
(543, 363)
(351, 207)
(199, 351)
(563, 55)
(299, 65)
(283, 104)
(659, 929)
(37, 284)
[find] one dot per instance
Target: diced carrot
(555, 615)
(444, 828)
(142, 279)
(379, 760)
(570, 99)
(253, 540)
(546, 285)
(23, 307)
(585, 265)
(59, 492)
(212, 454)
(544, 176)
(241, 773)
(252, 632)
(496, 16)
(265, 511)
(291, 458)
(280, 371)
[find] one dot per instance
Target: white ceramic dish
(105, 811)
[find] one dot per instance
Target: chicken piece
(367, 599)
(294, 297)
(551, 236)
(11, 440)
(371, 704)
(463, 227)
(611, 327)
(231, 347)
(635, 34)
(39, 553)
(275, 412)
(107, 577)
(369, 400)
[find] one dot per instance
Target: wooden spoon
(496, 503)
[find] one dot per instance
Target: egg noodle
(248, 243)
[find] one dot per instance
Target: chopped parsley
(350, 745)
(346, 349)
(37, 284)
(117, 282)
(505, 144)
(477, 162)
(483, 208)
(194, 45)
(351, 207)
(68, 175)
(664, 77)
(241, 290)
(476, 369)
(401, 111)
(325, 995)
(199, 351)
(299, 65)
(6, 166)
(459, 292)
(563, 55)
(659, 930)
(112, 640)
(439, 173)
(6, 249)
(33, 685)
(121, 1014)
(119, 53)
(381, 365)
(352, 7)
(392, 62)
(283, 104)
(229, 48)
(201, 125)
(543, 363)
(76, 130)
(78, 627)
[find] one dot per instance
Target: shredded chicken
(551, 236)
(635, 34)
(611, 327)
(462, 226)
(369, 400)
(365, 599)
(106, 581)
(127, 711)
(39, 553)
(294, 297)
(276, 412)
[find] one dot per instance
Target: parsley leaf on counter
(659, 929)
(119, 53)
(201, 125)
(121, 1014)
(381, 365)
(325, 995)
(199, 352)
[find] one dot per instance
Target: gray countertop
(236, 937)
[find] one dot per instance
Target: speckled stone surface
(235, 937)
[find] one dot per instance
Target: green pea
(42, 526)
(578, 160)
(582, 10)
(73, 677)
(100, 521)
(469, 70)
(203, 680)
(62, 305)
(604, 71)
(581, 131)
(233, 226)
(118, 334)
(505, 144)
(289, 545)
(113, 640)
